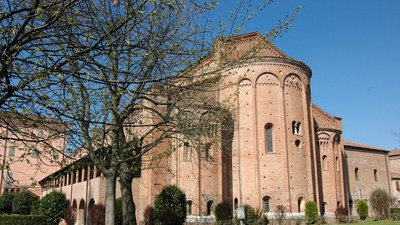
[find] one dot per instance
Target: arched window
(189, 207)
(209, 206)
(325, 162)
(266, 203)
(376, 175)
(268, 138)
(236, 203)
(187, 152)
(357, 175)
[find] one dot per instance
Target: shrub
(362, 209)
(170, 206)
(148, 215)
(253, 216)
(23, 220)
(395, 213)
(97, 214)
(6, 201)
(280, 214)
(53, 206)
(22, 203)
(380, 203)
(341, 214)
(70, 215)
(223, 212)
(311, 212)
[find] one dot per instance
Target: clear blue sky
(353, 49)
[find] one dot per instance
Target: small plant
(395, 213)
(97, 214)
(280, 214)
(253, 216)
(341, 215)
(380, 203)
(362, 209)
(170, 206)
(148, 215)
(311, 212)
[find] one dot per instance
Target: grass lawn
(380, 222)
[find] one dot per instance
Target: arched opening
(189, 207)
(90, 206)
(266, 203)
(187, 152)
(209, 207)
(300, 204)
(376, 175)
(356, 173)
(236, 203)
(81, 213)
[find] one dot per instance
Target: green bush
(170, 206)
(22, 203)
(311, 212)
(395, 213)
(362, 209)
(223, 212)
(53, 206)
(6, 201)
(23, 220)
(380, 203)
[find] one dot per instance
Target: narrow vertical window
(357, 175)
(268, 138)
(376, 175)
(236, 203)
(9, 178)
(325, 162)
(187, 152)
(337, 164)
(397, 185)
(11, 151)
(207, 152)
(266, 202)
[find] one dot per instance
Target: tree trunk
(128, 205)
(110, 199)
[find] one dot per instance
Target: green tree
(53, 206)
(311, 212)
(6, 201)
(22, 202)
(362, 209)
(380, 203)
(170, 206)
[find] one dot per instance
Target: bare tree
(123, 76)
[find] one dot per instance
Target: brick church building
(282, 149)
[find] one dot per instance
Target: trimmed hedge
(23, 220)
(362, 209)
(311, 212)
